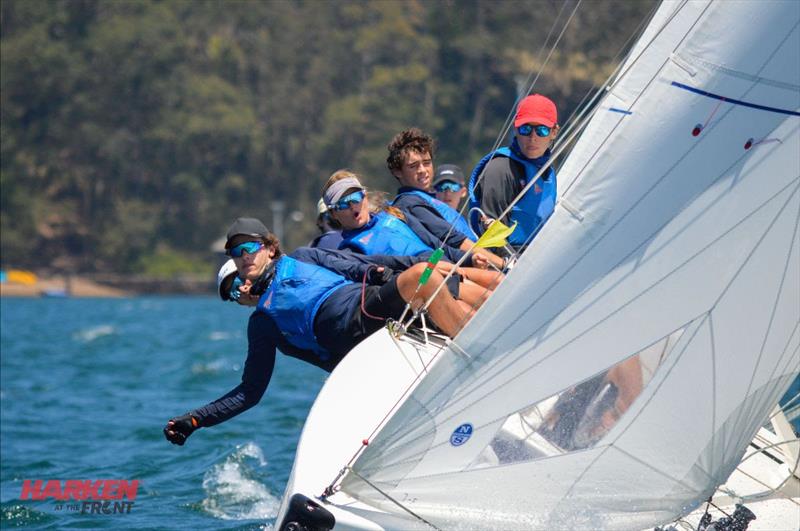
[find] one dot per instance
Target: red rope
(363, 296)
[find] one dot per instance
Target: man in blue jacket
(410, 160)
(315, 305)
(500, 176)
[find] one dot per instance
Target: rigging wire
(558, 147)
(406, 509)
(787, 185)
(638, 57)
(572, 130)
(586, 109)
(412, 513)
(530, 84)
(771, 490)
(508, 120)
(504, 131)
(636, 33)
(519, 373)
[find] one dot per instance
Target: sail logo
(461, 434)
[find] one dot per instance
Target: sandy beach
(60, 286)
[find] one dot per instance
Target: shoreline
(106, 286)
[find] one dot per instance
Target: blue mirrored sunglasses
(448, 186)
(234, 292)
(246, 247)
(527, 129)
(348, 200)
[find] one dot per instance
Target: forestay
(616, 377)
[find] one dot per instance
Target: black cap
(448, 172)
(246, 227)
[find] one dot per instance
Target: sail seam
(611, 229)
(684, 65)
(713, 340)
(649, 288)
(572, 209)
(644, 405)
(771, 398)
(658, 181)
(645, 242)
(689, 59)
(655, 75)
(778, 293)
(411, 458)
(555, 351)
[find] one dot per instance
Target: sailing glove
(178, 429)
(379, 278)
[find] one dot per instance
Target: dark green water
(86, 386)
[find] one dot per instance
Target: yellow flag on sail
(495, 235)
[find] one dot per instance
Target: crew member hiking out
(386, 230)
(309, 305)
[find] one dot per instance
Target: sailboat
(619, 373)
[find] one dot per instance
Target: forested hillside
(133, 132)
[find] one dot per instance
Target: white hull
(355, 399)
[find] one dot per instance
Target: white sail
(617, 375)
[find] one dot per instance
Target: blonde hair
(379, 203)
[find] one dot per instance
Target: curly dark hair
(409, 140)
(275, 243)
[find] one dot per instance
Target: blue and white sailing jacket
(293, 298)
(536, 205)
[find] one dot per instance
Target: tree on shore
(134, 131)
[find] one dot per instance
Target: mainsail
(616, 377)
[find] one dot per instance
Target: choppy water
(86, 386)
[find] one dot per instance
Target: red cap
(536, 109)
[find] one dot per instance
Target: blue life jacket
(536, 205)
(295, 294)
(450, 214)
(384, 234)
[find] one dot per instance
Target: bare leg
(469, 310)
(482, 277)
(445, 311)
(472, 294)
